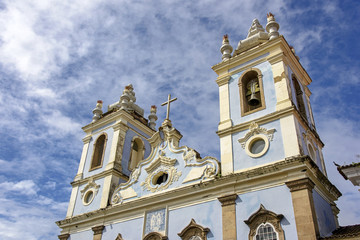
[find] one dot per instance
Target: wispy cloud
(58, 57)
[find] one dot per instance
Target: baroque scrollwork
(162, 165)
(90, 186)
(194, 231)
(254, 129)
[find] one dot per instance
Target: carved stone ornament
(228, 200)
(254, 129)
(64, 236)
(158, 171)
(163, 165)
(262, 216)
(194, 231)
(155, 236)
(300, 184)
(90, 187)
(98, 229)
(210, 165)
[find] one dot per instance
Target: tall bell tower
(266, 121)
(265, 111)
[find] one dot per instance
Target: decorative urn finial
(152, 117)
(226, 49)
(272, 26)
(97, 111)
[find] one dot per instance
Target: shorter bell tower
(115, 143)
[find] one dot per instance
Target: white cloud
(58, 57)
(25, 187)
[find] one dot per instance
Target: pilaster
(98, 232)
(227, 163)
(116, 150)
(79, 174)
(73, 196)
(118, 136)
(224, 104)
(289, 136)
(228, 206)
(280, 81)
(304, 209)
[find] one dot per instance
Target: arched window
(266, 232)
(312, 153)
(194, 231)
(251, 91)
(265, 225)
(155, 236)
(137, 153)
(299, 97)
(99, 151)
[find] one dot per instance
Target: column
(228, 216)
(304, 210)
(98, 232)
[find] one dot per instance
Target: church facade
(136, 181)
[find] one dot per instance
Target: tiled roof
(345, 232)
(340, 168)
(349, 165)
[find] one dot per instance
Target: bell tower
(115, 143)
(265, 111)
(266, 124)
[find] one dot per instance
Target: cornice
(120, 115)
(287, 170)
(300, 70)
(246, 56)
(260, 120)
(98, 176)
(286, 55)
(223, 80)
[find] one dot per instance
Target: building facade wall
(276, 199)
(275, 152)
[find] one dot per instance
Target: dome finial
(226, 49)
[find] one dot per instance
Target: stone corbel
(300, 184)
(64, 236)
(228, 200)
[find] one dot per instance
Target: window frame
(92, 166)
(244, 106)
(261, 216)
(140, 152)
(299, 97)
(264, 224)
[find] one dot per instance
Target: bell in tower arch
(252, 93)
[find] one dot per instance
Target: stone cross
(168, 105)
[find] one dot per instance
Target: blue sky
(58, 57)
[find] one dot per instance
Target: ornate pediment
(168, 166)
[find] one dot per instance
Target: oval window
(160, 178)
(88, 197)
(257, 146)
